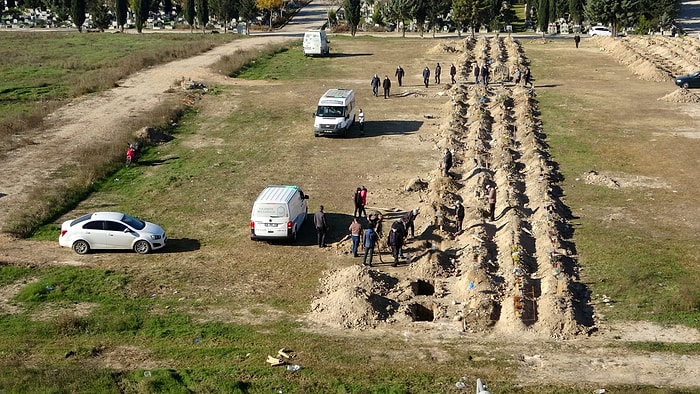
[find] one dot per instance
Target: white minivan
(278, 213)
(335, 112)
(316, 43)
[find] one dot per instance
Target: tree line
(466, 15)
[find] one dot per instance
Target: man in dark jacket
(369, 240)
(387, 86)
(438, 71)
(396, 240)
(321, 227)
(357, 199)
(447, 162)
(375, 85)
(426, 76)
(399, 74)
(408, 219)
(459, 215)
(453, 72)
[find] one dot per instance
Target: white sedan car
(602, 31)
(111, 230)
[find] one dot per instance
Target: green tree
(435, 12)
(543, 15)
(168, 7)
(77, 13)
(270, 6)
(419, 11)
(189, 14)
(140, 8)
(461, 15)
(247, 9)
(100, 16)
(576, 11)
(203, 13)
(352, 14)
(224, 10)
(121, 8)
(617, 13)
(399, 11)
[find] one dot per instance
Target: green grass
(645, 267)
(39, 71)
(289, 63)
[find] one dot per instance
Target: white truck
(316, 43)
(335, 113)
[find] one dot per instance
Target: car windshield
(133, 222)
(330, 111)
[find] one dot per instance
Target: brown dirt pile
(681, 96)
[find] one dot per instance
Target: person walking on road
(476, 73)
(369, 240)
(375, 85)
(355, 234)
(321, 227)
(577, 39)
(399, 74)
(453, 72)
(438, 71)
(426, 76)
(387, 87)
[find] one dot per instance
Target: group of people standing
(400, 73)
(482, 74)
(438, 73)
(369, 235)
(523, 75)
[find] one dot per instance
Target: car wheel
(142, 247)
(685, 85)
(81, 247)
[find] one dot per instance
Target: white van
(316, 43)
(278, 213)
(335, 112)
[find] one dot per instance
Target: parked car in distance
(602, 31)
(111, 230)
(689, 81)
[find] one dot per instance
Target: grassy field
(39, 72)
(202, 316)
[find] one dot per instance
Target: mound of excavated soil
(353, 297)
(681, 96)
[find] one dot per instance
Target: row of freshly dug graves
(517, 273)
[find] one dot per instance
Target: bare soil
(510, 286)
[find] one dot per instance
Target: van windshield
(270, 210)
(330, 111)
